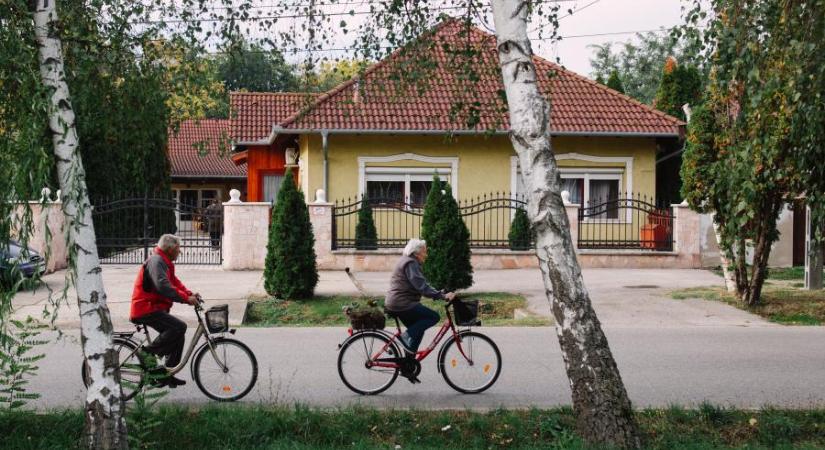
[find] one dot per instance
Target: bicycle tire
(119, 344)
(349, 344)
(442, 367)
(216, 344)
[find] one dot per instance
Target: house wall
(262, 160)
(484, 162)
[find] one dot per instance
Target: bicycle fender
(359, 333)
(444, 348)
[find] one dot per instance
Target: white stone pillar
(45, 215)
(572, 217)
(245, 234)
(686, 234)
(320, 214)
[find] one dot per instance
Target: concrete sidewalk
(621, 297)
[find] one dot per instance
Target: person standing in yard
(407, 285)
(213, 223)
(156, 288)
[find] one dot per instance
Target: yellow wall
(484, 162)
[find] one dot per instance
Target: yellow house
(378, 137)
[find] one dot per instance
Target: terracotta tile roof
(579, 105)
(253, 113)
(201, 148)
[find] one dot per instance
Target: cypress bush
(366, 238)
(448, 240)
(290, 270)
(520, 235)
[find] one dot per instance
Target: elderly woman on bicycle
(407, 285)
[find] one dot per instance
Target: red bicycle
(369, 361)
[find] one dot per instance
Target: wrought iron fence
(632, 221)
(488, 218)
(128, 228)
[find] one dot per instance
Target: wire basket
(466, 313)
(217, 319)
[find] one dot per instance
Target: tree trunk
(603, 411)
(730, 283)
(105, 425)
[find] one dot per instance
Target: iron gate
(128, 229)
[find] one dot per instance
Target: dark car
(17, 261)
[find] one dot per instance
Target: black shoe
(413, 379)
(174, 382)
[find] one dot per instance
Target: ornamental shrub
(366, 238)
(290, 270)
(521, 235)
(448, 265)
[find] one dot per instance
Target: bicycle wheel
(354, 360)
(476, 368)
(229, 377)
(132, 369)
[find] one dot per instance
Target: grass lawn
(497, 310)
(796, 273)
(261, 427)
(781, 302)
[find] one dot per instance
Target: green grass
(778, 273)
(787, 305)
(261, 427)
(497, 310)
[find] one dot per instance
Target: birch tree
(105, 424)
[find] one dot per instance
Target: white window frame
(595, 174)
(408, 173)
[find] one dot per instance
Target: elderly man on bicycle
(156, 288)
(407, 285)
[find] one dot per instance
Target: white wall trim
(364, 160)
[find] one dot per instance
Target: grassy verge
(787, 305)
(796, 273)
(235, 427)
(497, 310)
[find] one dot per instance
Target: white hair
(168, 242)
(414, 246)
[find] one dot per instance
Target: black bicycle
(224, 369)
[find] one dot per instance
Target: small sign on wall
(318, 210)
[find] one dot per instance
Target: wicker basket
(367, 319)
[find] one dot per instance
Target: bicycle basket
(217, 319)
(370, 319)
(466, 313)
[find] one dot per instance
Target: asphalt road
(748, 367)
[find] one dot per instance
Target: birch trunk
(105, 425)
(730, 283)
(603, 411)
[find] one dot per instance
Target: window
(396, 185)
(207, 196)
(271, 185)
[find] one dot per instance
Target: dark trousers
(417, 320)
(172, 336)
(215, 238)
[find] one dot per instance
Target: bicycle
(375, 356)
(224, 369)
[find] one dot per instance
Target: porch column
(245, 235)
(572, 217)
(320, 214)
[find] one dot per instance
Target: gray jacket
(407, 285)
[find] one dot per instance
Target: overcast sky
(607, 16)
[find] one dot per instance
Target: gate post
(245, 233)
(572, 217)
(320, 214)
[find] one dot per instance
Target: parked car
(17, 261)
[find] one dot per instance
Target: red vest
(146, 302)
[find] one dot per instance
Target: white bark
(105, 425)
(730, 283)
(603, 410)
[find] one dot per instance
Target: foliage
(366, 237)
(680, 84)
(614, 82)
(248, 66)
(142, 418)
(331, 74)
(521, 234)
(448, 265)
(755, 144)
(639, 63)
(290, 271)
(17, 340)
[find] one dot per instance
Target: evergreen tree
(600, 79)
(366, 238)
(680, 84)
(290, 270)
(520, 235)
(614, 82)
(448, 240)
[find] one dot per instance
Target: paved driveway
(626, 297)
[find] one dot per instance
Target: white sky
(607, 16)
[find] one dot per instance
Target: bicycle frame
(421, 354)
